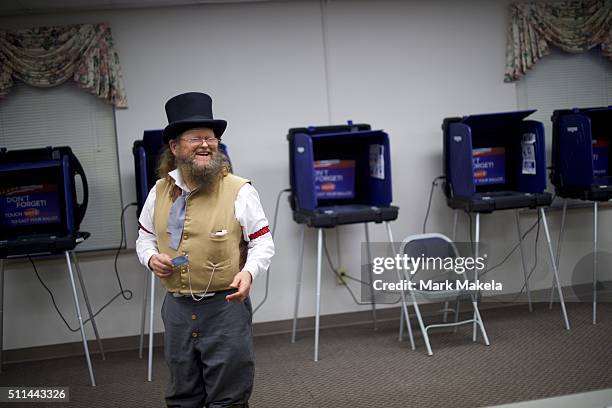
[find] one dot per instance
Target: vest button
(184, 253)
(185, 236)
(193, 317)
(194, 334)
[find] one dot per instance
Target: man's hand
(242, 282)
(161, 265)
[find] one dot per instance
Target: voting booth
(493, 162)
(339, 175)
(581, 166)
(146, 154)
(40, 214)
(39, 211)
(581, 151)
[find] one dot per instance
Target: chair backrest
(435, 252)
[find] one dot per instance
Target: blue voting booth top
(38, 202)
(580, 154)
(340, 174)
(494, 161)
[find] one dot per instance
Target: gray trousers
(208, 346)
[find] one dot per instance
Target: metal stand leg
(520, 237)
(455, 219)
(298, 284)
(86, 298)
(151, 327)
(558, 258)
(78, 310)
(595, 262)
(404, 313)
(318, 293)
(367, 236)
(479, 321)
(476, 244)
(143, 312)
(552, 260)
(1, 310)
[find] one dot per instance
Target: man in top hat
(204, 233)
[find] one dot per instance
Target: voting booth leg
(298, 284)
(404, 316)
(151, 326)
(559, 242)
(369, 249)
(143, 312)
(318, 295)
(556, 274)
(595, 262)
(476, 243)
(520, 237)
(78, 311)
(455, 219)
(1, 309)
(86, 298)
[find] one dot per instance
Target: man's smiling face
(196, 146)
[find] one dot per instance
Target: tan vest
(214, 259)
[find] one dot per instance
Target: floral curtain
(48, 56)
(573, 26)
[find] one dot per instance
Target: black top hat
(191, 110)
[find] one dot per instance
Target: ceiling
(24, 7)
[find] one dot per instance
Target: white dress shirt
(249, 214)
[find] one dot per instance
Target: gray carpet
(531, 356)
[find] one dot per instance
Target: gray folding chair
(437, 245)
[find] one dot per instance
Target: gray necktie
(176, 220)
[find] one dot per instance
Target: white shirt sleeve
(146, 244)
(255, 230)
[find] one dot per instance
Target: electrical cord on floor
(280, 193)
(340, 277)
(57, 308)
(127, 294)
(431, 191)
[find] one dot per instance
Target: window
(68, 116)
(564, 81)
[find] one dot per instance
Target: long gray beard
(206, 178)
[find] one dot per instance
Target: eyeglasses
(195, 141)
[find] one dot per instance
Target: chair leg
(458, 302)
(404, 312)
(421, 324)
